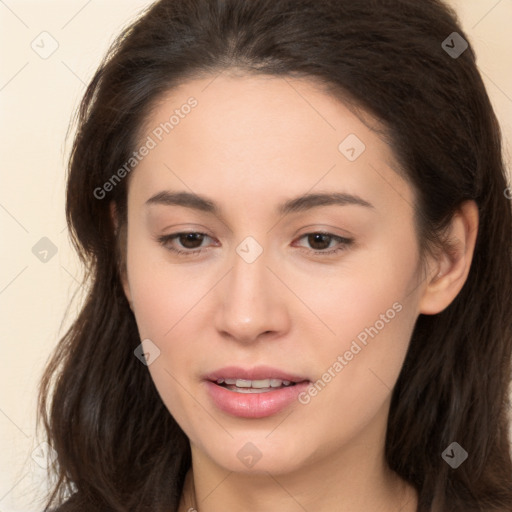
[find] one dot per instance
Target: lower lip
(254, 405)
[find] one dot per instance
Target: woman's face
(269, 296)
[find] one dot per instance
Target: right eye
(186, 239)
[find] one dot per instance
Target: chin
(256, 454)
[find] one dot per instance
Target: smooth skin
(250, 144)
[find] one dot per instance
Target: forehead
(261, 134)
(232, 109)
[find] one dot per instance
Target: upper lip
(256, 373)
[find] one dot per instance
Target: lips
(253, 374)
(255, 392)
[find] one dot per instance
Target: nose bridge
(249, 274)
(250, 301)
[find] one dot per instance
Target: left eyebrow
(294, 205)
(308, 201)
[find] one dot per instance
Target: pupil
(193, 238)
(316, 237)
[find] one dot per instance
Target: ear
(452, 263)
(120, 243)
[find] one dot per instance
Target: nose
(251, 302)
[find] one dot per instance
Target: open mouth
(253, 393)
(254, 386)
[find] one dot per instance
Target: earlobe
(452, 265)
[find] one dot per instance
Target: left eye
(324, 240)
(191, 242)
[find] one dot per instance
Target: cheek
(363, 299)
(168, 301)
(164, 300)
(161, 293)
(357, 369)
(365, 384)
(371, 313)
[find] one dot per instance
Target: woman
(295, 222)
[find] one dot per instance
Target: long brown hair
(119, 448)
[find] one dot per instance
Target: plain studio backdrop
(49, 51)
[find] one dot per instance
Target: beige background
(37, 98)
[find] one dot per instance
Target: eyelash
(163, 240)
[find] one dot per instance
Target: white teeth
(257, 384)
(264, 383)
